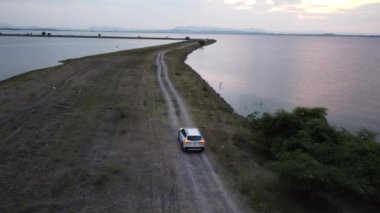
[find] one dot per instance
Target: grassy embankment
(283, 162)
(77, 136)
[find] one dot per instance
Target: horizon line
(183, 30)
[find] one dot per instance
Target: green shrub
(300, 171)
(313, 157)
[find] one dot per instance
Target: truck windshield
(194, 138)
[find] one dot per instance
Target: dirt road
(96, 135)
(208, 190)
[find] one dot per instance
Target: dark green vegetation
(315, 160)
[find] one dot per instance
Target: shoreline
(97, 127)
(212, 32)
(86, 126)
(99, 36)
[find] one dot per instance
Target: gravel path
(208, 191)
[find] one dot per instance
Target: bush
(301, 172)
(311, 156)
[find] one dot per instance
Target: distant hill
(106, 28)
(12, 27)
(2, 25)
(179, 29)
(197, 29)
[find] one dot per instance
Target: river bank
(100, 36)
(93, 135)
(237, 147)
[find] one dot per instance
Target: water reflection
(266, 73)
(21, 54)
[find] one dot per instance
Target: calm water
(253, 73)
(267, 73)
(21, 54)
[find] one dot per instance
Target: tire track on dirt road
(208, 191)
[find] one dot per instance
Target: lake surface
(22, 54)
(252, 73)
(267, 73)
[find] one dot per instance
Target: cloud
(307, 6)
(240, 4)
(270, 15)
(259, 4)
(283, 2)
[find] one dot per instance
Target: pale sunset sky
(297, 16)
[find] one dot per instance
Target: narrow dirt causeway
(98, 134)
(209, 193)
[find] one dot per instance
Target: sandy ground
(97, 135)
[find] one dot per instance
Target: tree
(313, 157)
(300, 172)
(43, 33)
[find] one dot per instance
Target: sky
(297, 16)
